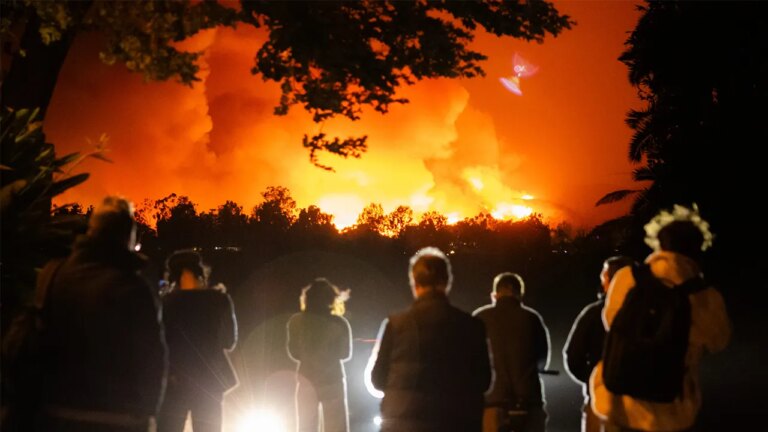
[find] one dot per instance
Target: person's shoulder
(339, 320)
(466, 318)
(483, 311)
(594, 307)
(532, 313)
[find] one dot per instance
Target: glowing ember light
(452, 218)
(377, 420)
(527, 197)
(511, 211)
(261, 421)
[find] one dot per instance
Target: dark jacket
(200, 324)
(320, 343)
(584, 346)
(106, 345)
(432, 365)
(520, 348)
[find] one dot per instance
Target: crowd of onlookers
(115, 356)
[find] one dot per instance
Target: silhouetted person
(320, 341)
(678, 240)
(520, 349)
(200, 325)
(107, 349)
(431, 361)
(584, 346)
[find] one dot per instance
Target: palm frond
(615, 196)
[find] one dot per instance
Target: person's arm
(622, 282)
(228, 323)
(345, 353)
(378, 364)
(481, 359)
(576, 351)
(147, 341)
(710, 320)
(292, 344)
(541, 339)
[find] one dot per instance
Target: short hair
(112, 221)
(429, 267)
(683, 237)
(321, 296)
(615, 263)
(185, 259)
(510, 283)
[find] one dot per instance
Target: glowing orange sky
(564, 141)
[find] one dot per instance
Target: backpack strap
(641, 272)
(45, 280)
(693, 285)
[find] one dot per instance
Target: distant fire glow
(511, 211)
(219, 141)
(476, 183)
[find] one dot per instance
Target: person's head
(323, 297)
(112, 223)
(184, 269)
(610, 267)
(682, 237)
(682, 231)
(508, 285)
(429, 270)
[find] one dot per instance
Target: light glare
(377, 420)
(260, 421)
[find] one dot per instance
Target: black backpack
(645, 349)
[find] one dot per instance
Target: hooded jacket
(105, 340)
(710, 331)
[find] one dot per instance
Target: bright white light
(452, 218)
(507, 211)
(527, 197)
(476, 183)
(260, 421)
(137, 247)
(377, 420)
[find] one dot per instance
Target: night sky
(459, 146)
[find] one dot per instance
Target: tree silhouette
(229, 224)
(706, 100)
(372, 219)
(278, 209)
(397, 221)
(178, 224)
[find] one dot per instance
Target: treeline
(276, 225)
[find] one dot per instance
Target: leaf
(69, 182)
(615, 196)
(100, 156)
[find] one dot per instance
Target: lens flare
(260, 421)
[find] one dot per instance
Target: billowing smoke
(458, 147)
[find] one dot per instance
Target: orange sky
(459, 147)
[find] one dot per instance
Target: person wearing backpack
(670, 273)
(584, 346)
